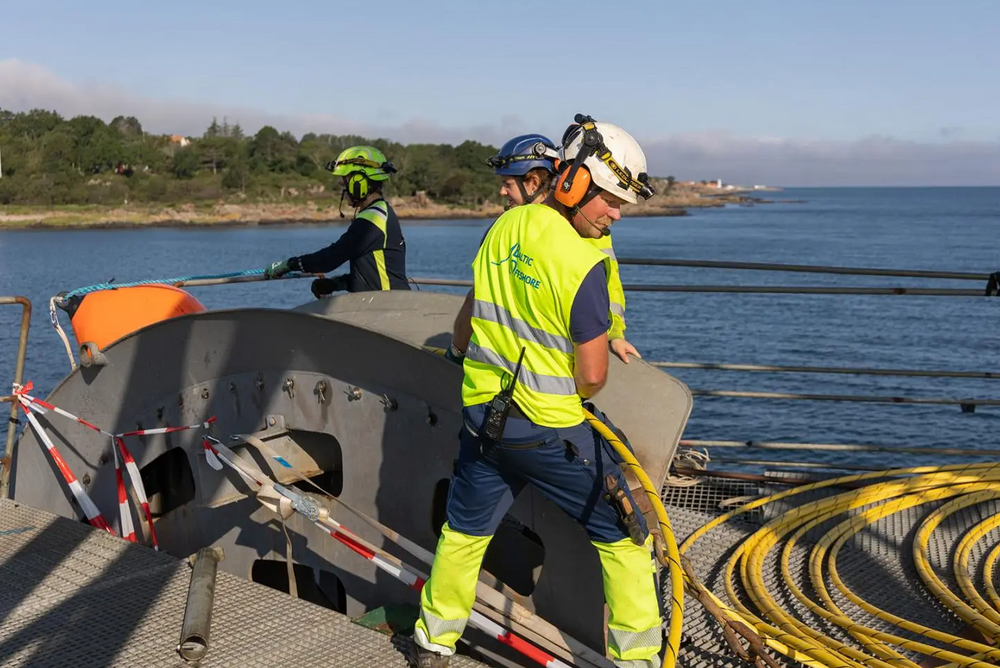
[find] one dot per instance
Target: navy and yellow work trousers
(569, 466)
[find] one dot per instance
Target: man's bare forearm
(462, 333)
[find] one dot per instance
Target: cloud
(25, 86)
(868, 161)
(875, 160)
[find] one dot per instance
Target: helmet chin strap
(527, 199)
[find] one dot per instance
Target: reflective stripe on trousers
(447, 598)
(634, 625)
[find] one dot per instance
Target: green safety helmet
(365, 159)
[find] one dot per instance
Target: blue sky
(748, 88)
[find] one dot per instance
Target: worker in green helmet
(373, 244)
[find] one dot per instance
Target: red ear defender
(572, 184)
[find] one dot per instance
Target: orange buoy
(105, 316)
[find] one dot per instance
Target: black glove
(322, 287)
(453, 354)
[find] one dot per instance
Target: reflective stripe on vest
(526, 275)
(377, 214)
(501, 316)
(536, 381)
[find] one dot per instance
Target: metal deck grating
(877, 564)
(73, 596)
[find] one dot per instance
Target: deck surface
(74, 596)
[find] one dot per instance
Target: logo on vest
(518, 262)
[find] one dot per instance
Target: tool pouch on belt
(614, 492)
(642, 504)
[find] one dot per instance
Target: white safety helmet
(614, 161)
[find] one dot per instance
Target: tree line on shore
(48, 160)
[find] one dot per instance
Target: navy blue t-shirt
(589, 316)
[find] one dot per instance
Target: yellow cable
(932, 477)
(838, 537)
(751, 557)
(786, 644)
(986, 626)
(961, 565)
(988, 566)
(900, 489)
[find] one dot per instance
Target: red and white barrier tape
(408, 575)
(79, 493)
(121, 453)
(127, 528)
(140, 490)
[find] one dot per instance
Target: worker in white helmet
(535, 347)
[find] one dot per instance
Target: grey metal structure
(343, 389)
(75, 596)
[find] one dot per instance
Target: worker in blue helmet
(526, 166)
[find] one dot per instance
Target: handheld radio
(499, 408)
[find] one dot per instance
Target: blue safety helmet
(522, 154)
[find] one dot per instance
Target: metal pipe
(846, 397)
(805, 268)
(236, 279)
(442, 281)
(759, 289)
(808, 465)
(825, 369)
(837, 447)
(197, 622)
(22, 350)
(803, 290)
(803, 478)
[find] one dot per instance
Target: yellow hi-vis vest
(615, 290)
(525, 277)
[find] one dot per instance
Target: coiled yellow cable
(970, 481)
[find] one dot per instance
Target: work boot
(424, 658)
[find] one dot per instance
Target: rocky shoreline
(228, 214)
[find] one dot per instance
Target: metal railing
(990, 288)
(22, 351)
(855, 371)
(761, 289)
(805, 268)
